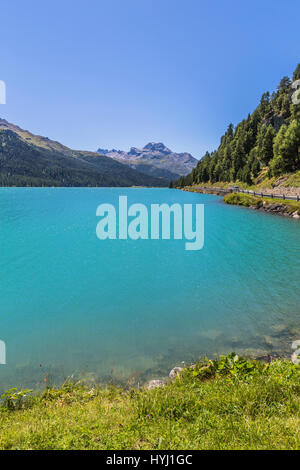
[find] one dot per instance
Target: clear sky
(121, 73)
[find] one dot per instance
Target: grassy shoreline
(229, 403)
(274, 205)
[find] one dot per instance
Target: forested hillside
(30, 160)
(268, 139)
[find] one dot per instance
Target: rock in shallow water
(155, 384)
(175, 372)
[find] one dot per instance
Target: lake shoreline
(247, 394)
(276, 206)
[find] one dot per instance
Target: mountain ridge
(27, 159)
(155, 159)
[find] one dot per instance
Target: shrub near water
(230, 403)
(241, 199)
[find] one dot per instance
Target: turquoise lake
(119, 310)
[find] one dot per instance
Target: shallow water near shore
(120, 310)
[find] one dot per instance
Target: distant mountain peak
(157, 147)
(155, 159)
(103, 151)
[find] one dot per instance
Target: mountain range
(27, 159)
(32, 160)
(155, 159)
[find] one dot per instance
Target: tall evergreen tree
(269, 137)
(296, 74)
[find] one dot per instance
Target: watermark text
(2, 92)
(138, 222)
(2, 353)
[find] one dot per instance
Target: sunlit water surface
(121, 310)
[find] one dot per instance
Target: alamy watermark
(2, 353)
(2, 92)
(296, 353)
(2, 343)
(137, 222)
(296, 94)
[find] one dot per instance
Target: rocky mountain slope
(155, 159)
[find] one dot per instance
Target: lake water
(119, 310)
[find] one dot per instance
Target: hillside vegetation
(229, 403)
(30, 160)
(263, 146)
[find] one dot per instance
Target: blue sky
(121, 73)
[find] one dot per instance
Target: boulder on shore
(175, 372)
(155, 384)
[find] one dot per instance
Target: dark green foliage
(269, 137)
(264, 143)
(287, 149)
(296, 75)
(14, 399)
(25, 164)
(231, 366)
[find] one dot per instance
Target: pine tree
(286, 149)
(269, 137)
(267, 145)
(296, 74)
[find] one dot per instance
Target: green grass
(241, 199)
(293, 180)
(230, 403)
(247, 200)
